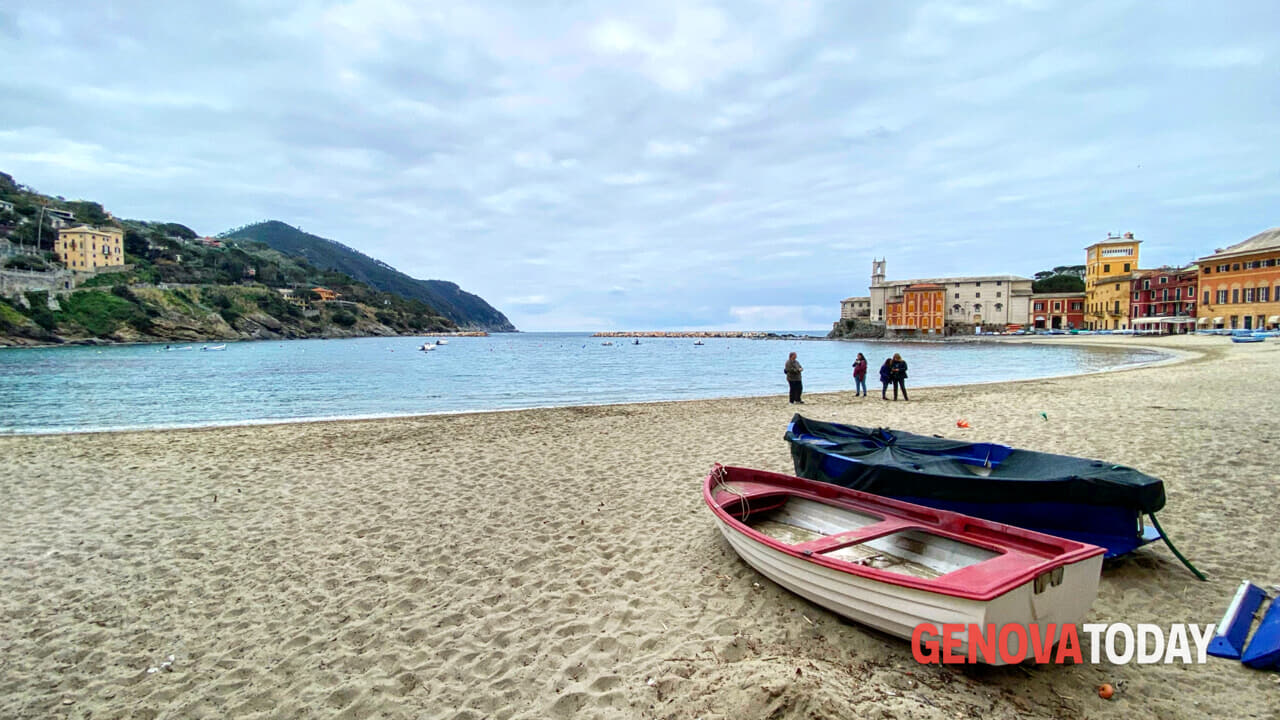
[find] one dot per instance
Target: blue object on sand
(1235, 623)
(1263, 652)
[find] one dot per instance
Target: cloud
(670, 164)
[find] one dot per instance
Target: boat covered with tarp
(1091, 501)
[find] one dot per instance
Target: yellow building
(1109, 266)
(85, 249)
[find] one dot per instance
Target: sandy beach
(560, 563)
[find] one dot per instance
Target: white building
(986, 300)
(855, 307)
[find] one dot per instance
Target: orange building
(324, 293)
(918, 309)
(1240, 285)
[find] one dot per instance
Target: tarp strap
(1176, 554)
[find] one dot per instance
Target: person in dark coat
(793, 370)
(898, 375)
(884, 378)
(860, 376)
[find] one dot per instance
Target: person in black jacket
(898, 375)
(793, 370)
(884, 378)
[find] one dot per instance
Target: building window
(1206, 297)
(999, 307)
(1207, 270)
(1264, 294)
(1164, 280)
(957, 296)
(1222, 297)
(977, 294)
(997, 285)
(1106, 268)
(1235, 296)
(1146, 284)
(1126, 267)
(1235, 266)
(1248, 295)
(956, 307)
(978, 284)
(997, 292)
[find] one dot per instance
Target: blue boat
(1248, 338)
(1086, 500)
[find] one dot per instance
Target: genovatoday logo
(1119, 643)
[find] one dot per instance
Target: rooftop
(954, 280)
(1265, 240)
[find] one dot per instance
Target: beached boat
(893, 566)
(1248, 338)
(1086, 500)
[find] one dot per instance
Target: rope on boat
(1167, 541)
(722, 485)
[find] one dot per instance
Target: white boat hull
(898, 610)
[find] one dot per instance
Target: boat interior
(860, 538)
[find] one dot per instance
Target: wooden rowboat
(893, 565)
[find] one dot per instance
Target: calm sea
(67, 389)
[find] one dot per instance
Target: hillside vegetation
(463, 308)
(178, 288)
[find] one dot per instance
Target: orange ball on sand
(1106, 691)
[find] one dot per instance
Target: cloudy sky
(683, 164)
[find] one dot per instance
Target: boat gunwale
(909, 517)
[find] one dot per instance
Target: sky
(667, 164)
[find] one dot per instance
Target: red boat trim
(1024, 554)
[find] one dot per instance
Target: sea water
(82, 388)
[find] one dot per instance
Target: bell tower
(877, 272)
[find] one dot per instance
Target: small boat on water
(211, 348)
(1086, 500)
(607, 342)
(698, 342)
(427, 347)
(177, 349)
(893, 566)
(442, 342)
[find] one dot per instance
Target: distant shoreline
(736, 334)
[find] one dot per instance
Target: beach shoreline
(559, 563)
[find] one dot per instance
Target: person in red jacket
(860, 376)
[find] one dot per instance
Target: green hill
(466, 310)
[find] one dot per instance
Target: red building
(1057, 311)
(1164, 300)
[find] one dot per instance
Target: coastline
(558, 562)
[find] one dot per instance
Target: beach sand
(560, 563)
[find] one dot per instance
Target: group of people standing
(892, 372)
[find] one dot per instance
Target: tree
(1058, 283)
(179, 230)
(135, 244)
